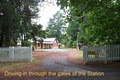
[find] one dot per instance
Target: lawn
(80, 55)
(76, 57)
(15, 65)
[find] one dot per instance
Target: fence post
(11, 53)
(85, 55)
(119, 52)
(31, 53)
(105, 54)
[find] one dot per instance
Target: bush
(74, 44)
(46, 48)
(26, 43)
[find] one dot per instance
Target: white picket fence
(15, 54)
(102, 53)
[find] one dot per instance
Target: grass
(80, 55)
(63, 48)
(15, 65)
(76, 57)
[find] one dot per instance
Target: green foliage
(37, 31)
(72, 30)
(15, 21)
(47, 48)
(9, 24)
(67, 41)
(70, 38)
(56, 26)
(26, 43)
(98, 20)
(74, 44)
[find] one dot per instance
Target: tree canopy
(91, 22)
(15, 21)
(56, 26)
(98, 20)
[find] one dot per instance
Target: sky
(46, 12)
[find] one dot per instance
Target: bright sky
(46, 12)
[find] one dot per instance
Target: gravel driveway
(59, 62)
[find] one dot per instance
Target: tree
(15, 21)
(9, 24)
(56, 26)
(71, 34)
(72, 30)
(37, 31)
(98, 20)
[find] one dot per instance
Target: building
(47, 43)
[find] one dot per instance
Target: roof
(45, 40)
(49, 39)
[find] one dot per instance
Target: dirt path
(66, 60)
(61, 60)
